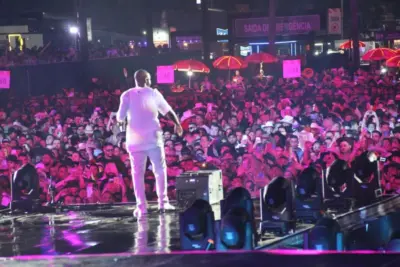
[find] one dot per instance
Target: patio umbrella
(397, 51)
(229, 63)
(191, 66)
(260, 58)
(393, 62)
(378, 54)
(349, 45)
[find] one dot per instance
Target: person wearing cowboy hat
(268, 127)
(287, 120)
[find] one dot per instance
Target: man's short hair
(139, 73)
(108, 144)
(215, 125)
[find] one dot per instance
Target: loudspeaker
(205, 184)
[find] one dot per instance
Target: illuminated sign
(291, 68)
(253, 27)
(245, 51)
(222, 32)
(5, 79)
(165, 75)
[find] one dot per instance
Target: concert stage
(109, 236)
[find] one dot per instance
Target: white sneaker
(138, 212)
(166, 207)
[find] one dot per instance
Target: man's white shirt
(140, 106)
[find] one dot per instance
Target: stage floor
(110, 230)
(113, 230)
(110, 236)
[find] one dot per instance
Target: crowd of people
(253, 129)
(50, 54)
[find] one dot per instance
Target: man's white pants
(138, 165)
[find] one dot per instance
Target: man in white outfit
(144, 137)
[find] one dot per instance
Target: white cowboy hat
(268, 124)
(89, 129)
(288, 120)
(187, 115)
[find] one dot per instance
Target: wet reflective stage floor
(112, 230)
(108, 229)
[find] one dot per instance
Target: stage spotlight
(238, 197)
(197, 226)
(276, 204)
(25, 189)
(309, 196)
(336, 185)
(73, 30)
(326, 235)
(366, 184)
(393, 245)
(236, 230)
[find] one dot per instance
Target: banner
(382, 36)
(291, 68)
(165, 75)
(334, 21)
(4, 79)
(253, 27)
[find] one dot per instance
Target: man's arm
(171, 115)
(123, 108)
(165, 109)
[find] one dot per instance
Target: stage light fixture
(326, 235)
(336, 186)
(238, 197)
(236, 230)
(25, 189)
(197, 226)
(277, 207)
(366, 184)
(73, 30)
(394, 244)
(309, 206)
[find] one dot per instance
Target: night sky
(128, 16)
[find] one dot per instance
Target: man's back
(141, 106)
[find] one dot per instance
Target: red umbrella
(378, 54)
(397, 51)
(191, 65)
(349, 44)
(229, 63)
(260, 58)
(393, 62)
